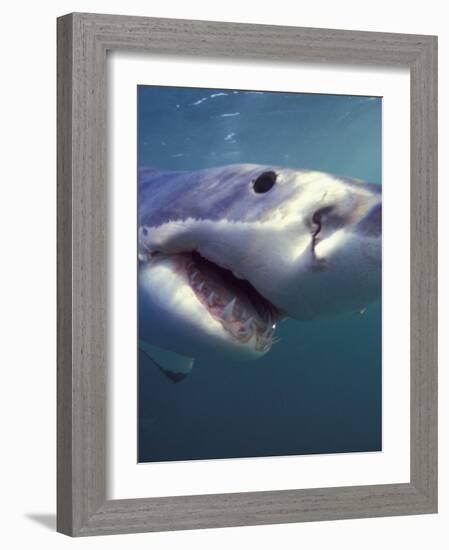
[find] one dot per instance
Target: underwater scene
(259, 273)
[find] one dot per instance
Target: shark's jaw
(233, 302)
(231, 305)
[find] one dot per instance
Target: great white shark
(225, 253)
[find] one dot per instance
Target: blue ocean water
(319, 389)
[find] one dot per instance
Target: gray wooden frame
(83, 40)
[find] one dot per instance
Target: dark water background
(319, 389)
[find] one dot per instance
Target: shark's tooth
(200, 286)
(192, 277)
(227, 311)
(268, 317)
(246, 328)
(248, 323)
(210, 299)
(269, 331)
(243, 331)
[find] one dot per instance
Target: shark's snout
(371, 224)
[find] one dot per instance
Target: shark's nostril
(371, 224)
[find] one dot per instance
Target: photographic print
(259, 246)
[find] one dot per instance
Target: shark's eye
(264, 182)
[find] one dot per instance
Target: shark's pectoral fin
(175, 366)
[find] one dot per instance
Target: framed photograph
(247, 284)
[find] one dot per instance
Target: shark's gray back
(213, 194)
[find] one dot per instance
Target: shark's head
(226, 252)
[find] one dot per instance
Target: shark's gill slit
(231, 301)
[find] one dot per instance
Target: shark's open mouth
(233, 302)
